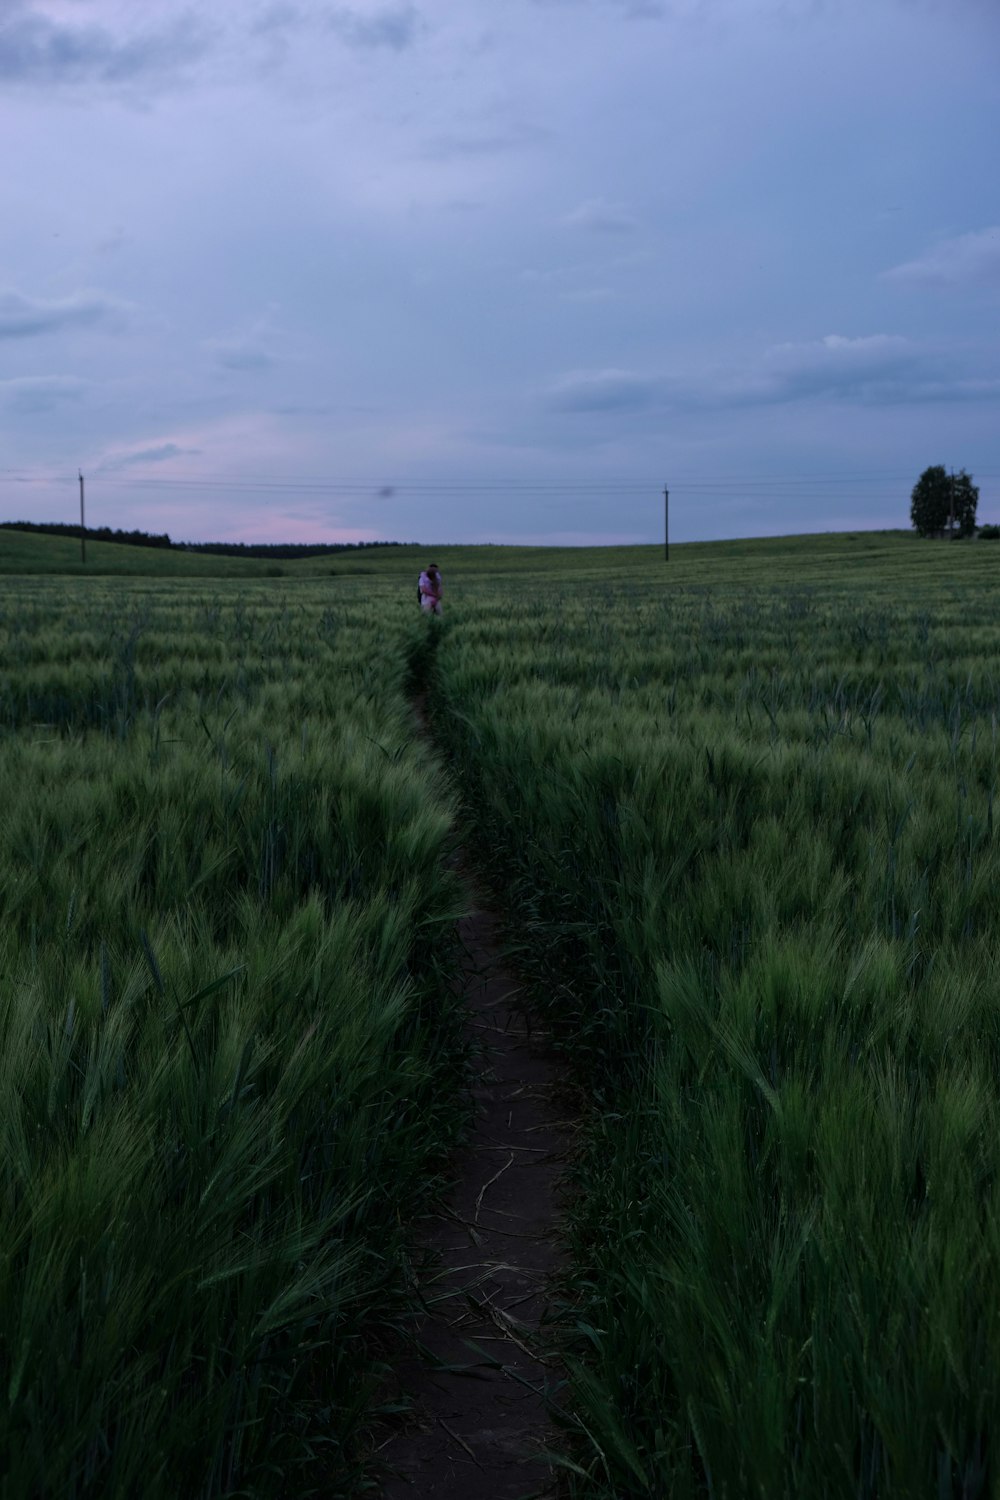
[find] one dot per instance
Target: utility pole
(951, 506)
(83, 526)
(666, 525)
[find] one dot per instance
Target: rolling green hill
(889, 556)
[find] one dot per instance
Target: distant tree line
(92, 533)
(217, 549)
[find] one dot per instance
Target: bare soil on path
(480, 1379)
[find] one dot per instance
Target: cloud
(25, 317)
(239, 355)
(633, 10)
(34, 48)
(394, 27)
(27, 394)
(602, 390)
(857, 368)
(968, 258)
(155, 455)
(303, 409)
(598, 215)
(485, 140)
(676, 11)
(643, 10)
(245, 351)
(279, 16)
(116, 239)
(589, 294)
(873, 370)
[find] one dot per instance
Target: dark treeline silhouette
(217, 549)
(93, 533)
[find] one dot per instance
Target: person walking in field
(430, 588)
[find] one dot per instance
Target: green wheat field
(741, 809)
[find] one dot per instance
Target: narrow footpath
(479, 1381)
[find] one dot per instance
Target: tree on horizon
(934, 495)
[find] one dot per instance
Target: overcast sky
(497, 270)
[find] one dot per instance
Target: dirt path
(479, 1416)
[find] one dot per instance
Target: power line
(256, 483)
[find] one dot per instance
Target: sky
(497, 270)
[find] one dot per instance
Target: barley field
(741, 813)
(229, 1064)
(744, 809)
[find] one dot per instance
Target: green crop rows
(742, 814)
(750, 829)
(227, 1069)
